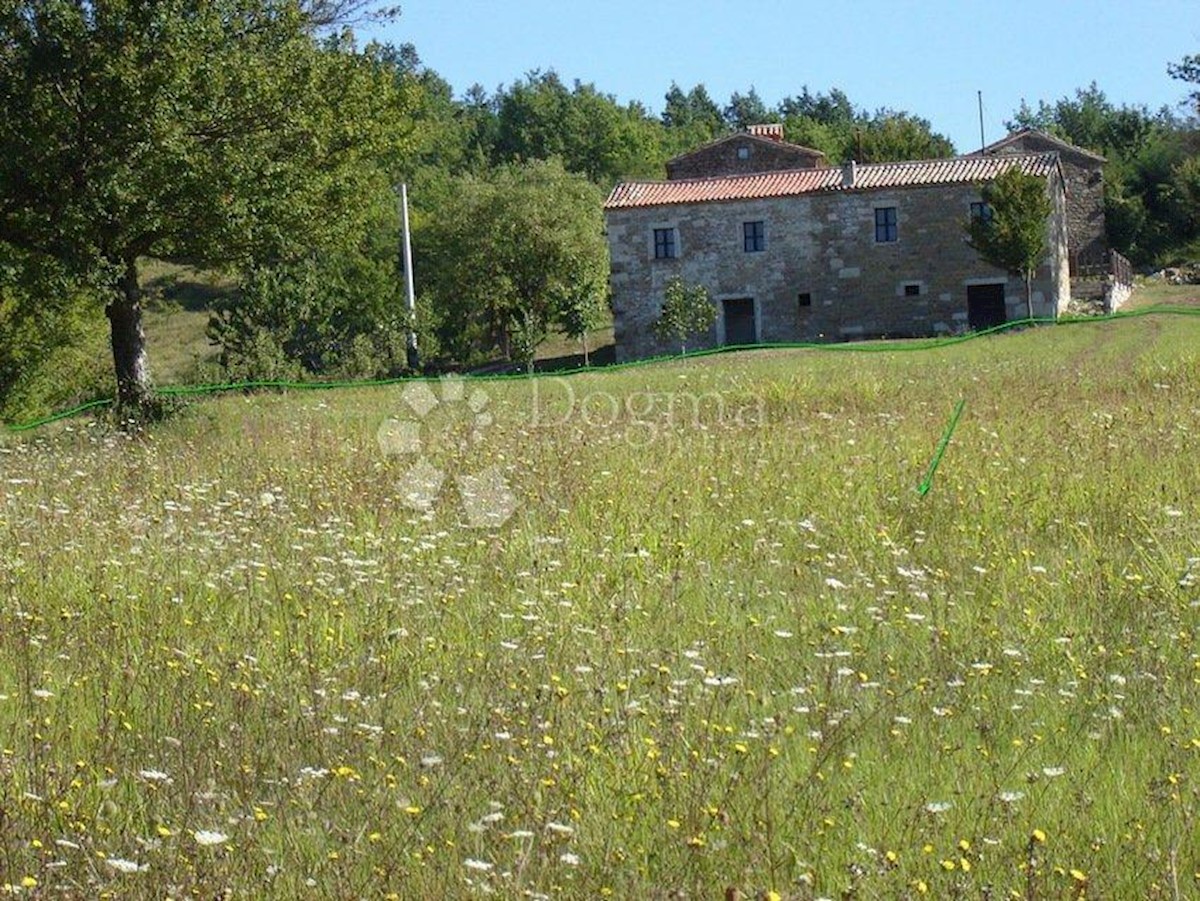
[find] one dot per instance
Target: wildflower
(1038, 836)
(938, 806)
(481, 865)
(560, 828)
(121, 865)
(1010, 797)
(209, 837)
(1051, 771)
(571, 860)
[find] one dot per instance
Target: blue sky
(924, 58)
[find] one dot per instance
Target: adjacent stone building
(1084, 174)
(761, 148)
(824, 253)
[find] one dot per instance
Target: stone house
(1084, 174)
(761, 148)
(823, 253)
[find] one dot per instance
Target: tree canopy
(1010, 231)
(506, 257)
(211, 132)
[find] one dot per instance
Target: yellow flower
(1039, 836)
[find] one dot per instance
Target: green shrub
(53, 340)
(335, 317)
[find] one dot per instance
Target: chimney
(848, 173)
(772, 132)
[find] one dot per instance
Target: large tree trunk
(129, 343)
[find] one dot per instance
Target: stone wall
(1085, 196)
(822, 245)
(741, 154)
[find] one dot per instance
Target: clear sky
(924, 58)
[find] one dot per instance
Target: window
(665, 247)
(885, 225)
(912, 289)
(754, 237)
(981, 212)
(803, 299)
(743, 152)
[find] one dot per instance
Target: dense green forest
(261, 142)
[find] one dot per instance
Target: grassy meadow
(658, 632)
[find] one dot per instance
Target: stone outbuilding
(1084, 174)
(817, 253)
(761, 148)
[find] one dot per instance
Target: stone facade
(741, 154)
(1084, 172)
(821, 275)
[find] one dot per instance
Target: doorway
(985, 306)
(741, 326)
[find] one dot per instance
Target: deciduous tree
(686, 311)
(211, 132)
(505, 257)
(1013, 235)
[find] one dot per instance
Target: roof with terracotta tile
(795, 182)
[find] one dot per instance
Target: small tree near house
(1013, 234)
(686, 311)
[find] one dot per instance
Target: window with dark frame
(912, 289)
(665, 247)
(981, 212)
(885, 225)
(754, 237)
(804, 299)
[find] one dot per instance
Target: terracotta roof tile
(794, 182)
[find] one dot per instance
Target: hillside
(670, 628)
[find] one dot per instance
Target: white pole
(410, 304)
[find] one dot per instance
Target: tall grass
(720, 642)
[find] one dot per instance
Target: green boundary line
(927, 482)
(879, 346)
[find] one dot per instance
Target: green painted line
(927, 482)
(880, 346)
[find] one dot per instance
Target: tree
(1012, 232)
(580, 312)
(686, 311)
(745, 110)
(1143, 180)
(338, 311)
(832, 124)
(213, 133)
(506, 257)
(690, 118)
(539, 118)
(1188, 70)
